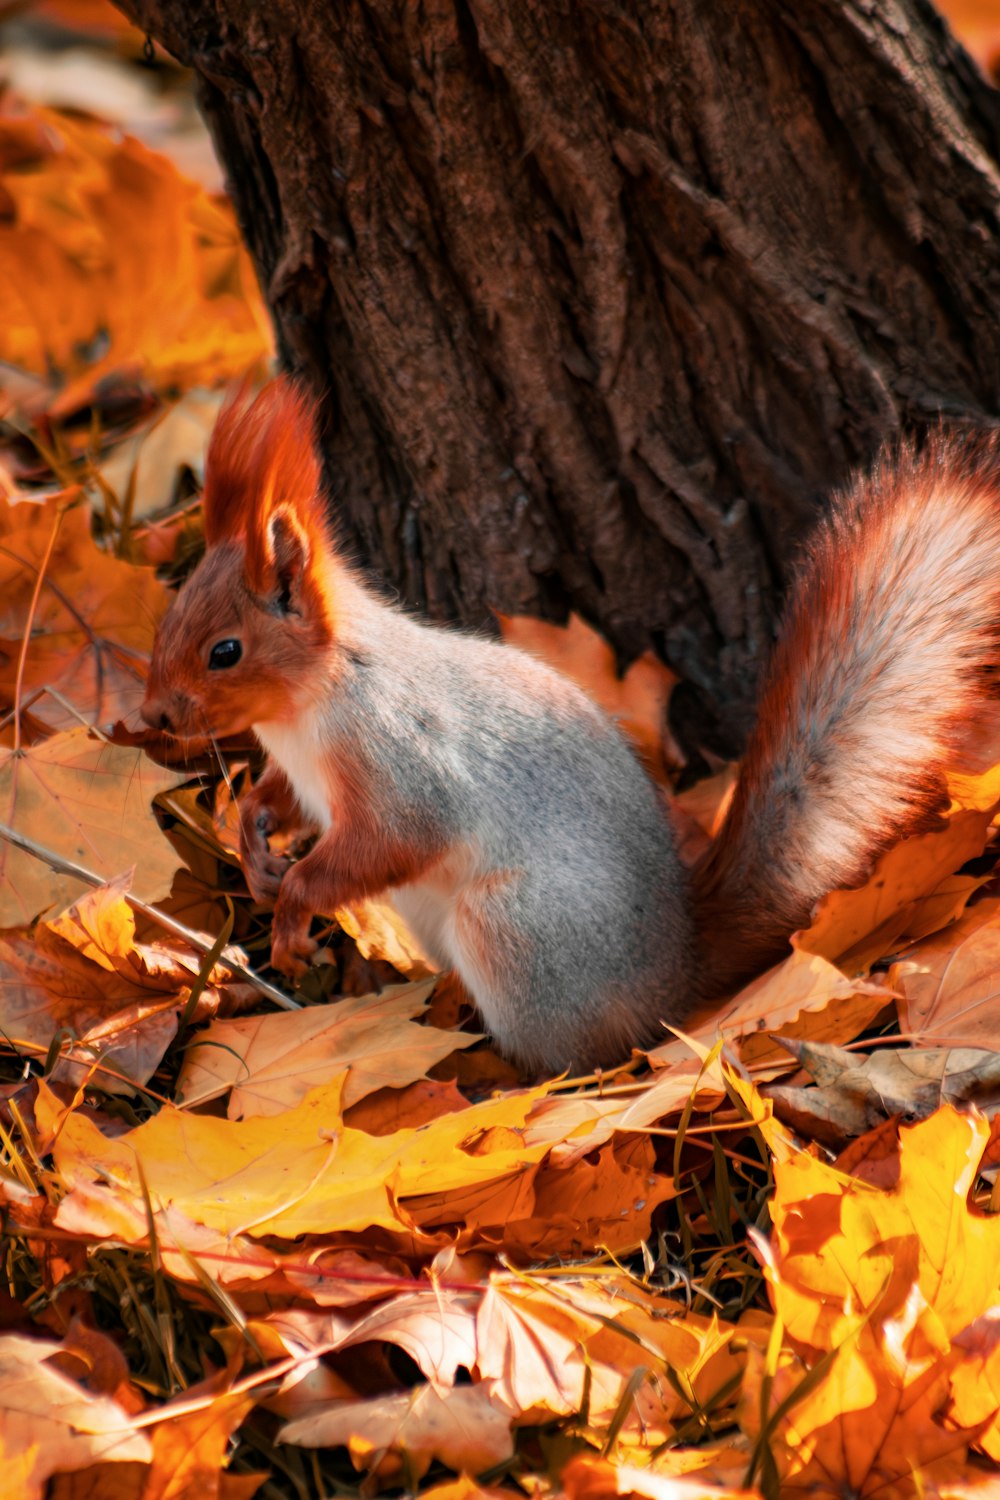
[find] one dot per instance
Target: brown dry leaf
(112, 263)
(148, 464)
(949, 983)
(84, 973)
(395, 1109)
(805, 996)
(857, 1090)
(913, 886)
(270, 1062)
(90, 802)
(403, 1433)
(603, 1199)
(93, 626)
(303, 1171)
(638, 701)
(51, 1425)
(873, 1157)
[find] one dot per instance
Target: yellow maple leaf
(302, 1171)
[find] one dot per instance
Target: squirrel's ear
(277, 570)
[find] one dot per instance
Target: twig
(196, 940)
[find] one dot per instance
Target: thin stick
(196, 940)
(25, 643)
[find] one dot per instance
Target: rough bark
(602, 296)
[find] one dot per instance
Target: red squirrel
(504, 814)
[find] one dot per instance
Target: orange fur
(885, 676)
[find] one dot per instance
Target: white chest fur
(297, 749)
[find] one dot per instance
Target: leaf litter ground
(345, 1247)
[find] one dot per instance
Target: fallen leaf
(803, 997)
(270, 1062)
(912, 885)
(190, 1449)
(547, 1344)
(838, 1245)
(381, 934)
(50, 1424)
(588, 1477)
(866, 1429)
(948, 983)
(90, 802)
(299, 1172)
(858, 1090)
(118, 1001)
(111, 262)
(93, 625)
(147, 465)
(461, 1429)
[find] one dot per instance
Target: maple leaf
(881, 1296)
(302, 1171)
(872, 1426)
(461, 1429)
(111, 262)
(912, 888)
(93, 624)
(543, 1344)
(948, 982)
(89, 801)
(268, 1063)
(83, 973)
(51, 1425)
(190, 1449)
(839, 1244)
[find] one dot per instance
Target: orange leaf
(92, 630)
(90, 802)
(299, 1172)
(112, 262)
(268, 1063)
(948, 983)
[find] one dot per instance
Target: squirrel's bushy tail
(886, 675)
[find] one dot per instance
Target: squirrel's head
(243, 634)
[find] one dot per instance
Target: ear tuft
(262, 457)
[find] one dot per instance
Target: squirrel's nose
(155, 715)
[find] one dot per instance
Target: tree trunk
(603, 296)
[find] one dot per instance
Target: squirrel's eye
(224, 654)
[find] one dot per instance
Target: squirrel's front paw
(291, 945)
(263, 870)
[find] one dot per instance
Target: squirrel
(504, 814)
